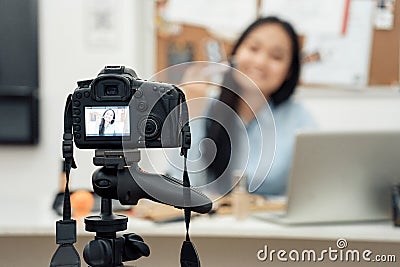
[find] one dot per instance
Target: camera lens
(111, 89)
(149, 128)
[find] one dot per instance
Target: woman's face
(108, 116)
(265, 57)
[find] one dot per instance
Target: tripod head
(122, 179)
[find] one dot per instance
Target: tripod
(121, 178)
(108, 250)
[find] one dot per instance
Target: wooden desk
(27, 239)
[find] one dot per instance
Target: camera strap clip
(66, 254)
(68, 144)
(186, 140)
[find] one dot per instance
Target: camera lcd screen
(107, 121)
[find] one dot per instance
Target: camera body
(117, 109)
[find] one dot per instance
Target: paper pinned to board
(337, 38)
(310, 16)
(343, 60)
(224, 17)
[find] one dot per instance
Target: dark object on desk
(396, 204)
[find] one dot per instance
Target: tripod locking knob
(135, 247)
(97, 252)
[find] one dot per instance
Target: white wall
(68, 53)
(361, 109)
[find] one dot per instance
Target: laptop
(341, 177)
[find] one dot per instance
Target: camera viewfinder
(111, 90)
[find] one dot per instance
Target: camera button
(77, 120)
(77, 103)
(77, 128)
(155, 88)
(77, 111)
(79, 95)
(142, 106)
(138, 93)
(78, 135)
(86, 94)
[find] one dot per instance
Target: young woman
(106, 126)
(268, 54)
(250, 127)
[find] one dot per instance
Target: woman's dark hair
(101, 126)
(216, 131)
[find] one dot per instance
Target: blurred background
(350, 76)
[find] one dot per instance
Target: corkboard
(188, 35)
(385, 57)
(194, 36)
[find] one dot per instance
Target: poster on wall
(336, 47)
(384, 14)
(102, 24)
(343, 60)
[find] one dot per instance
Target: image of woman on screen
(106, 126)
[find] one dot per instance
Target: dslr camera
(118, 108)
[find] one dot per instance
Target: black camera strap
(189, 256)
(66, 254)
